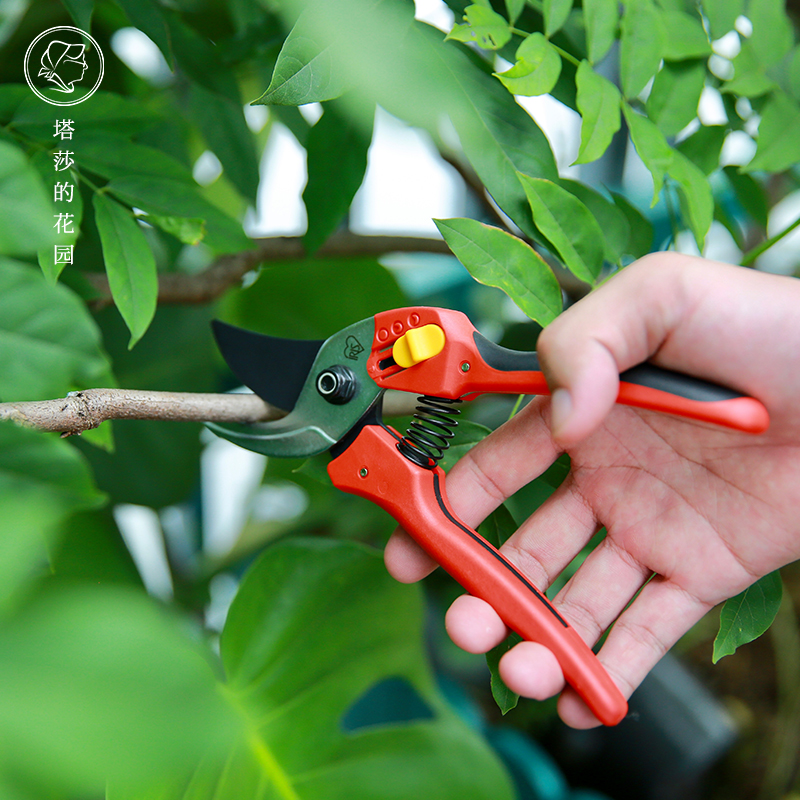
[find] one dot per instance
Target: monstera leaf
(317, 639)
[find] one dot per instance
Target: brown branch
(82, 411)
(227, 270)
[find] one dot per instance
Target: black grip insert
(503, 359)
(677, 383)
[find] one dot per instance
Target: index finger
(493, 470)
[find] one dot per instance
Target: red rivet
(413, 320)
(397, 328)
(383, 335)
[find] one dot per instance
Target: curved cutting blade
(314, 424)
(275, 369)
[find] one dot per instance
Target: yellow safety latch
(418, 344)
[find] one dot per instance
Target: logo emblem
(352, 348)
(64, 66)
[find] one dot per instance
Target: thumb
(617, 326)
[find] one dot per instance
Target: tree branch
(82, 411)
(227, 270)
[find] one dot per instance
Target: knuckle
(582, 618)
(528, 564)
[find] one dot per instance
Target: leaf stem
(91, 184)
(560, 50)
(266, 759)
(751, 255)
(516, 406)
(565, 55)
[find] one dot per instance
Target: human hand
(694, 514)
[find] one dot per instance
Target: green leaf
(675, 95)
(514, 8)
(159, 184)
(750, 77)
(337, 149)
(200, 58)
(599, 105)
(189, 230)
(222, 123)
(506, 699)
(49, 343)
(601, 18)
(130, 265)
(91, 549)
(568, 224)
(496, 258)
(555, 15)
(34, 464)
(722, 15)
(306, 70)
(147, 16)
(483, 27)
(26, 211)
(641, 229)
(704, 146)
(536, 70)
(42, 482)
(697, 201)
(113, 155)
(81, 13)
(748, 615)
(88, 661)
(11, 97)
(417, 78)
(316, 468)
(750, 194)
(313, 726)
(793, 74)
(641, 46)
(684, 36)
(149, 179)
(498, 526)
(613, 222)
(772, 37)
(293, 298)
(651, 146)
(499, 138)
(778, 145)
(168, 197)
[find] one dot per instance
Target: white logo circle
(59, 59)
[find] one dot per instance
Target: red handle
(469, 365)
(372, 468)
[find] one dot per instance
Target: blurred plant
(106, 688)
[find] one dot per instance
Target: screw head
(465, 366)
(337, 384)
(363, 472)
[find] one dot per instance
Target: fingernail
(560, 410)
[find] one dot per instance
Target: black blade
(275, 369)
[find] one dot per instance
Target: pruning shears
(333, 391)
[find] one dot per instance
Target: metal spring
(428, 436)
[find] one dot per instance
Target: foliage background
(109, 690)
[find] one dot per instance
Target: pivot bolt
(337, 384)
